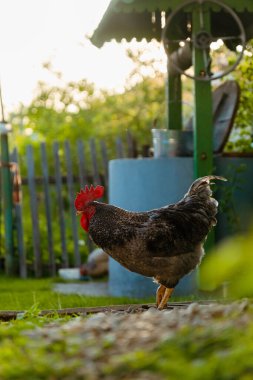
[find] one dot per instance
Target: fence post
(6, 183)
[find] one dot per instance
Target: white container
(69, 273)
(160, 142)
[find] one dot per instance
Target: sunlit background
(38, 32)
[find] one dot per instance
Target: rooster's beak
(79, 212)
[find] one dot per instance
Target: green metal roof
(142, 19)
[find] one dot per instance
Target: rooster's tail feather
(201, 186)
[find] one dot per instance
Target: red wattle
(84, 222)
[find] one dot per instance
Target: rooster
(165, 243)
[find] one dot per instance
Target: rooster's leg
(166, 295)
(159, 294)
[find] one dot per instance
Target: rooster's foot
(162, 296)
(159, 294)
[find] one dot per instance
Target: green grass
(19, 294)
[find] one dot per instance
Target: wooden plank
(82, 163)
(44, 167)
(70, 184)
(19, 221)
(59, 189)
(119, 148)
(34, 212)
(104, 154)
(7, 315)
(94, 162)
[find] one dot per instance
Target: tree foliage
(241, 138)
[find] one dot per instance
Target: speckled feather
(165, 243)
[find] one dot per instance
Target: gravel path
(111, 345)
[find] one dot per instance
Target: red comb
(87, 195)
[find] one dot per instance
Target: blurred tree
(241, 139)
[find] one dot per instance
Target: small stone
(152, 310)
(193, 309)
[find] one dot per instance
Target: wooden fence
(47, 232)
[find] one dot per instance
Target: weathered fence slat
(82, 164)
(96, 176)
(119, 148)
(70, 184)
(44, 167)
(20, 229)
(58, 184)
(104, 161)
(34, 212)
